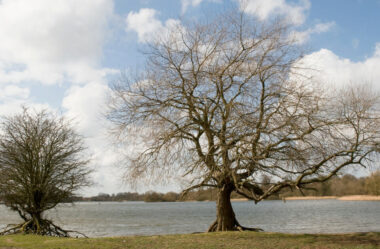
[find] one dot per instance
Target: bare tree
(224, 104)
(41, 165)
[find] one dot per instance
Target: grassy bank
(239, 240)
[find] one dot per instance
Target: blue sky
(63, 54)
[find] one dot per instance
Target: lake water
(97, 219)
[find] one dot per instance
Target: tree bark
(225, 216)
(36, 223)
(225, 213)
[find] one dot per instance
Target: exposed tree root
(213, 227)
(41, 227)
(236, 227)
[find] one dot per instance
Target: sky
(63, 55)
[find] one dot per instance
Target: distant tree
(372, 183)
(151, 196)
(325, 188)
(170, 196)
(224, 104)
(41, 165)
(102, 197)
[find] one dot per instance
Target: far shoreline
(339, 198)
(289, 198)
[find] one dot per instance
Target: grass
(207, 240)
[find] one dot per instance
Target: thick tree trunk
(224, 212)
(225, 215)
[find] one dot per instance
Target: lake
(98, 219)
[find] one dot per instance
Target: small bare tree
(224, 104)
(41, 165)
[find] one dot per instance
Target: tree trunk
(225, 216)
(36, 223)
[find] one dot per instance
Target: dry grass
(240, 240)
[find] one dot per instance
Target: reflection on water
(97, 219)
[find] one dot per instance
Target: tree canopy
(227, 104)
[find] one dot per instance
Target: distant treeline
(337, 186)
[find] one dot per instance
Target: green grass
(236, 240)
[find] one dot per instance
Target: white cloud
(334, 70)
(146, 25)
(12, 91)
(264, 9)
(52, 41)
(303, 36)
(377, 49)
(11, 106)
(194, 3)
(86, 106)
(187, 3)
(12, 97)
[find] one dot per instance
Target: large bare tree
(225, 105)
(41, 165)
